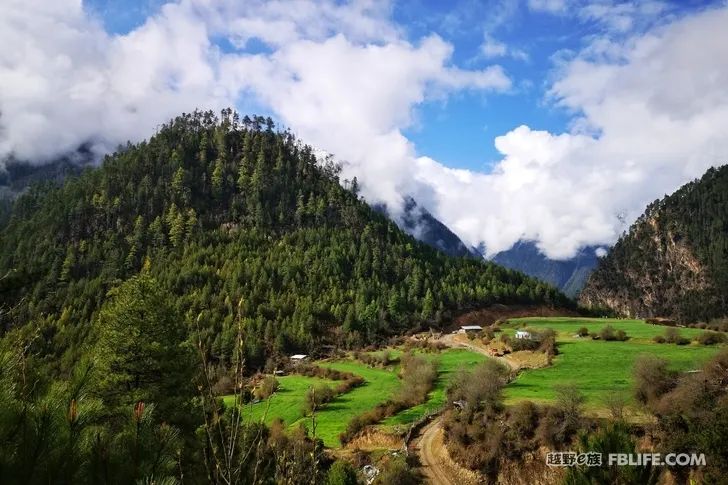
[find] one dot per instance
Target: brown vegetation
(267, 386)
(692, 413)
(375, 359)
(609, 334)
(501, 313)
(710, 337)
(483, 435)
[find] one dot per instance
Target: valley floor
(598, 368)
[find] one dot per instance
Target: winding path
(437, 466)
(431, 450)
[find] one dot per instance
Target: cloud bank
(648, 112)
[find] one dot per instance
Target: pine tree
(141, 352)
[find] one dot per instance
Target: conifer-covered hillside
(673, 262)
(234, 219)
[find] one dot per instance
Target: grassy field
(332, 420)
(449, 362)
(596, 367)
(287, 402)
(380, 385)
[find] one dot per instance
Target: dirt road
(431, 454)
(437, 466)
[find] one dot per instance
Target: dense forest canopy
(673, 262)
(236, 220)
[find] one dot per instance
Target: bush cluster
(418, 376)
(431, 346)
(266, 388)
(609, 334)
(375, 359)
(710, 338)
(672, 336)
(482, 433)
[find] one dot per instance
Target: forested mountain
(419, 223)
(568, 275)
(16, 177)
(673, 262)
(235, 220)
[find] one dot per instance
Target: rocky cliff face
(671, 263)
(650, 288)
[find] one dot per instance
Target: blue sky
(459, 130)
(554, 121)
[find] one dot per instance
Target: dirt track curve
(437, 466)
(431, 451)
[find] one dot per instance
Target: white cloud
(65, 81)
(622, 17)
(651, 115)
(493, 48)
(353, 99)
(613, 16)
(340, 75)
(551, 6)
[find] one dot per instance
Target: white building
(470, 329)
(523, 334)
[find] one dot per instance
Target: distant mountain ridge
(568, 275)
(673, 262)
(418, 222)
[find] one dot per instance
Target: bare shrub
(316, 397)
(615, 403)
(266, 388)
(652, 378)
(710, 337)
(570, 401)
(418, 375)
(224, 385)
(482, 388)
(672, 335)
(373, 359)
(523, 419)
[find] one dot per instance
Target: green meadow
(380, 385)
(287, 402)
(449, 362)
(596, 367)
